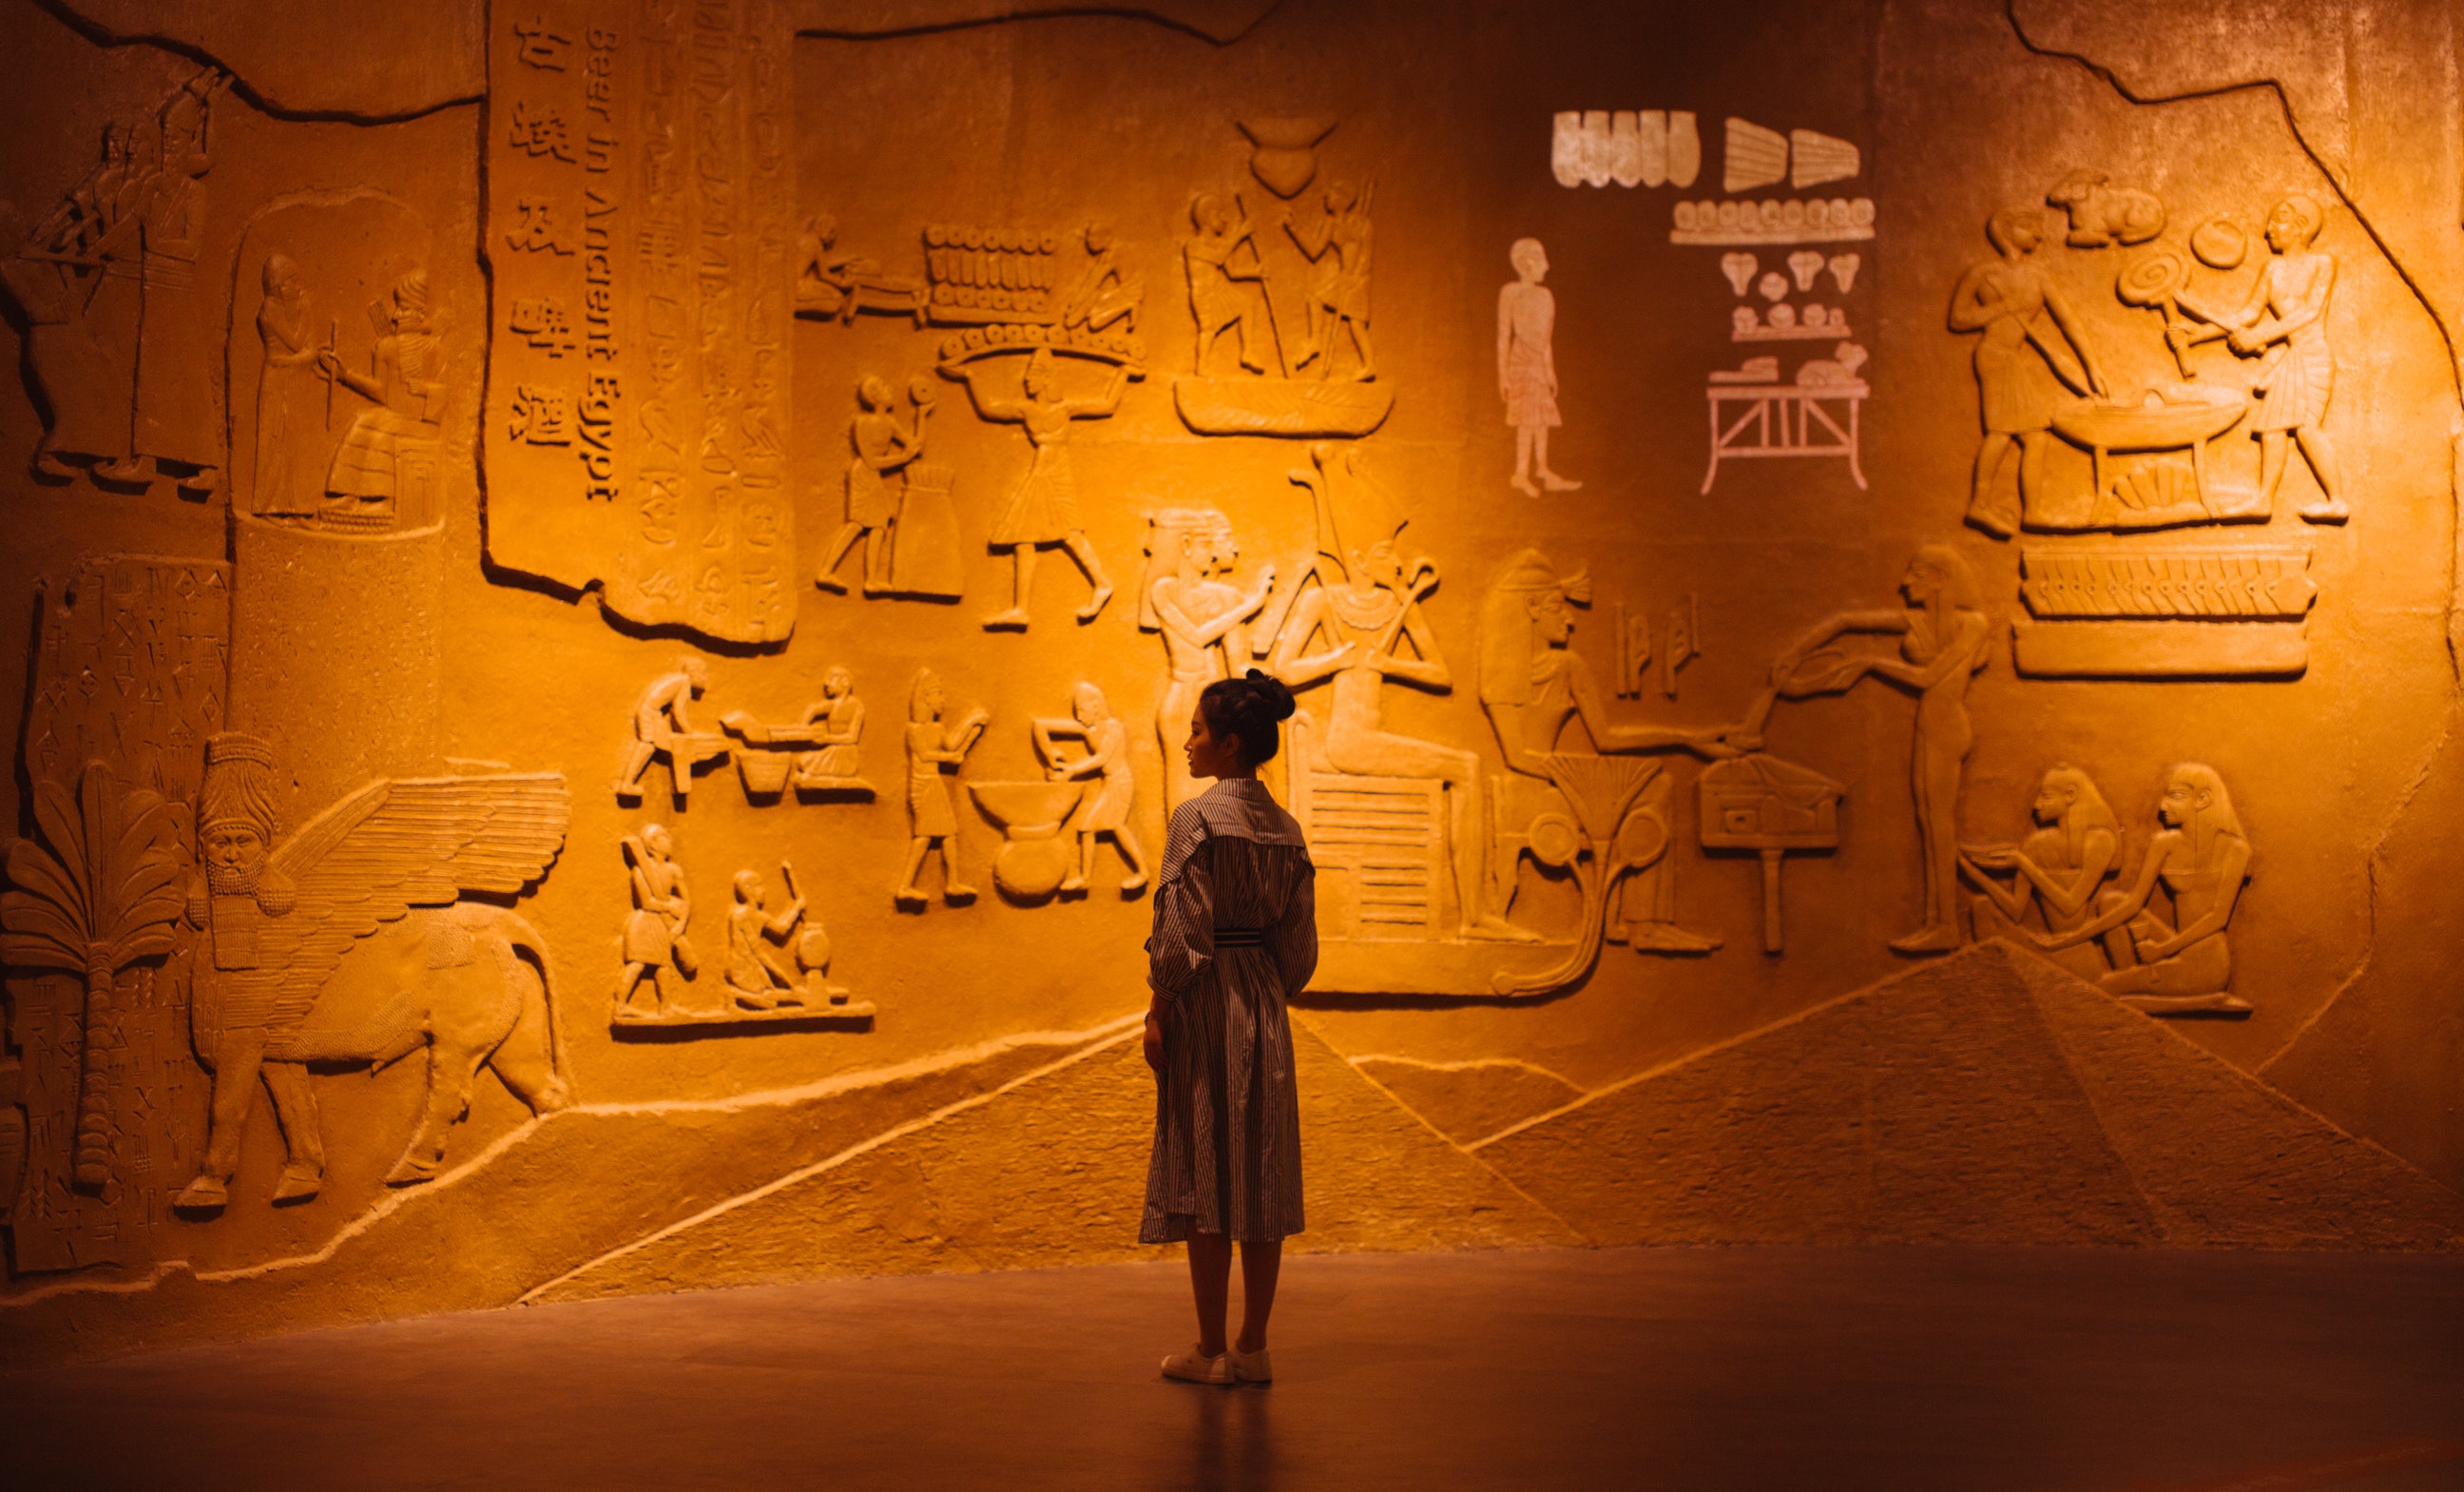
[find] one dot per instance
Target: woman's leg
(1260, 1265)
(1210, 1280)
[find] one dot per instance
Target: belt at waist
(1240, 937)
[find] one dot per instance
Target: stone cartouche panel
(641, 228)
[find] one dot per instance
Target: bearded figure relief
(349, 941)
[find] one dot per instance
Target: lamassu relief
(603, 664)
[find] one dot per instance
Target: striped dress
(1235, 934)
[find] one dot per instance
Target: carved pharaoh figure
(348, 942)
(1365, 602)
(1533, 685)
(2012, 302)
(288, 439)
(383, 471)
(1204, 619)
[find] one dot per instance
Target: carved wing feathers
(419, 842)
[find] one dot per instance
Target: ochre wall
(445, 600)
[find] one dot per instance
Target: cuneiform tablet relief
(640, 191)
(348, 942)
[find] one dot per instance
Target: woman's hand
(1155, 1040)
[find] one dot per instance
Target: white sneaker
(1195, 1367)
(1251, 1366)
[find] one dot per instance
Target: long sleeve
(1182, 943)
(1293, 941)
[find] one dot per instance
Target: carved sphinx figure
(348, 942)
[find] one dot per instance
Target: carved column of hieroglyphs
(131, 671)
(639, 190)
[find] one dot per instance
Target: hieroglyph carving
(935, 752)
(1526, 365)
(663, 232)
(348, 942)
(1944, 640)
(1297, 308)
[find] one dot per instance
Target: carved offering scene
(637, 635)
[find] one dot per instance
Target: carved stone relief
(1041, 510)
(1211, 628)
(935, 752)
(897, 505)
(122, 324)
(348, 942)
(1527, 366)
(1295, 306)
(640, 193)
(2193, 613)
(1633, 148)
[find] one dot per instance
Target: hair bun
(1271, 694)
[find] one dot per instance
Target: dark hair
(1250, 708)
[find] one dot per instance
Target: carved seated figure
(1532, 685)
(2202, 858)
(2058, 869)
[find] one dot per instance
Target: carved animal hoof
(298, 1184)
(203, 1195)
(409, 1172)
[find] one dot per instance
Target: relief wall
(607, 610)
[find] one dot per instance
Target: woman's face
(1922, 583)
(2054, 799)
(2182, 799)
(1208, 754)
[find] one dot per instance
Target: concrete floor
(1752, 1368)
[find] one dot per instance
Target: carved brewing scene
(637, 614)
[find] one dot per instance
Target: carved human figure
(655, 935)
(2201, 857)
(2285, 324)
(287, 386)
(757, 974)
(934, 754)
(841, 715)
(1532, 684)
(1215, 287)
(883, 447)
(1367, 605)
(407, 390)
(1186, 595)
(67, 361)
(1043, 509)
(2015, 306)
(376, 876)
(1339, 244)
(178, 422)
(1109, 289)
(1107, 810)
(1526, 365)
(1945, 638)
(2059, 868)
(662, 727)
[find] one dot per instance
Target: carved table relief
(640, 230)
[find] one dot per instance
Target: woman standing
(1234, 936)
